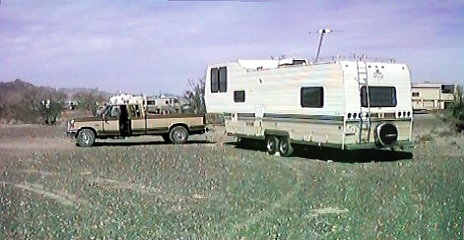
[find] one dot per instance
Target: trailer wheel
(285, 147)
(272, 144)
(178, 135)
(166, 138)
(85, 138)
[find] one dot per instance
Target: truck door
(137, 120)
(111, 121)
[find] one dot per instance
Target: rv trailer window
(312, 97)
(222, 79)
(415, 94)
(379, 96)
(214, 80)
(239, 96)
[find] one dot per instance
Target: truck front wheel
(178, 135)
(85, 138)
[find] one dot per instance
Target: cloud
(145, 46)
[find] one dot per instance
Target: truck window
(132, 111)
(137, 111)
(379, 96)
(114, 112)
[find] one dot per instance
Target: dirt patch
(21, 146)
(329, 210)
(217, 190)
(61, 197)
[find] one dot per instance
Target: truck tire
(178, 135)
(85, 138)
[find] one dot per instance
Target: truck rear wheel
(178, 135)
(85, 138)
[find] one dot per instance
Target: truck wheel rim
(85, 137)
(180, 135)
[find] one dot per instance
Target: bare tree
(195, 94)
(458, 108)
(2, 107)
(89, 101)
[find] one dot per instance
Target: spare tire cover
(386, 134)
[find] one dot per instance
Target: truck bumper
(71, 133)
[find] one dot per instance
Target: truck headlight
(71, 123)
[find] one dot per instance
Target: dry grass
(217, 191)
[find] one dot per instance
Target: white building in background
(432, 96)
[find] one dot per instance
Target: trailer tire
(272, 144)
(85, 138)
(178, 135)
(285, 147)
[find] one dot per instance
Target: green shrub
(51, 112)
(458, 108)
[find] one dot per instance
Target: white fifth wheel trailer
(346, 103)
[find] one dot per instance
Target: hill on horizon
(14, 91)
(21, 101)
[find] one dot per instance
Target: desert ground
(210, 188)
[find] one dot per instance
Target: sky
(143, 46)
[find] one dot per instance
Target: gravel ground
(141, 188)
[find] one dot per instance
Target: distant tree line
(45, 105)
(32, 106)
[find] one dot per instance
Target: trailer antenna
(321, 37)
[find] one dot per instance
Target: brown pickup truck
(129, 119)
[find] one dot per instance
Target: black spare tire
(386, 134)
